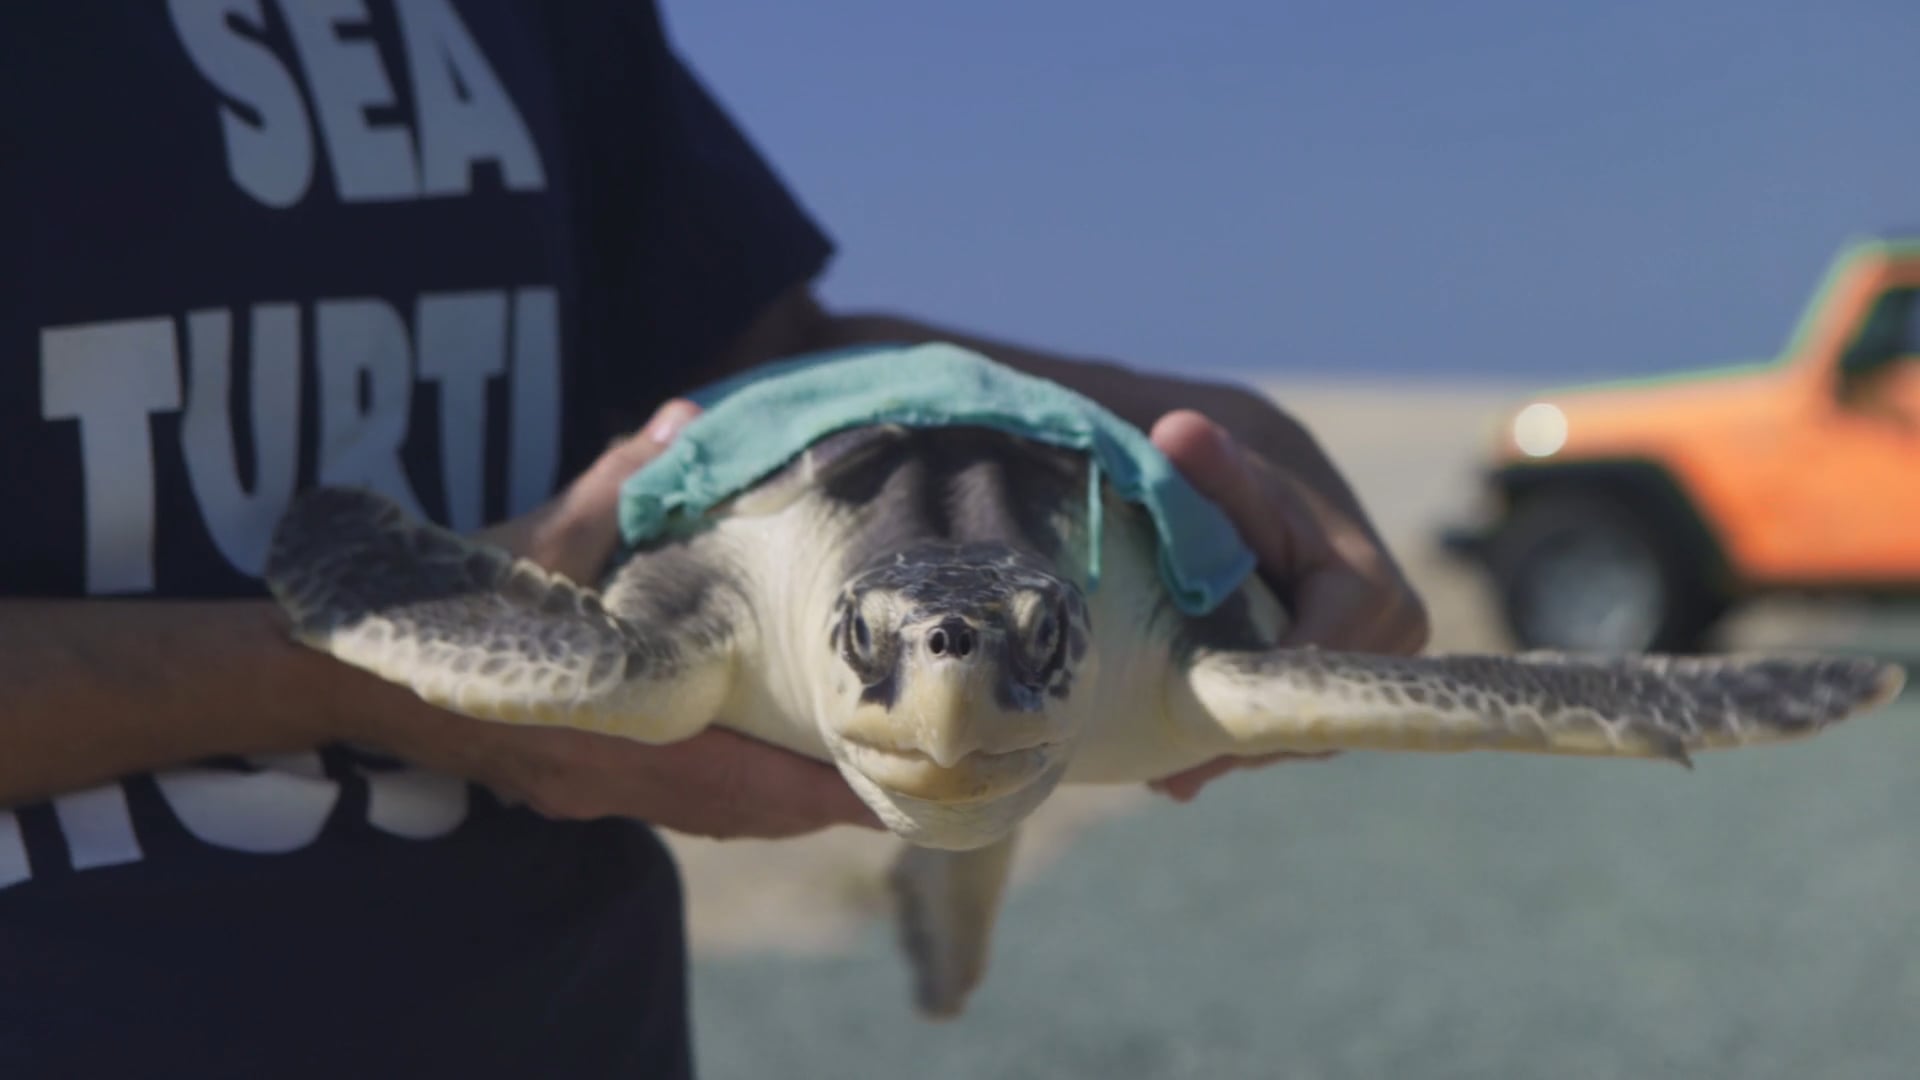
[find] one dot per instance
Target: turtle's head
(954, 697)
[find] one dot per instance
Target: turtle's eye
(1042, 634)
(868, 645)
(1046, 634)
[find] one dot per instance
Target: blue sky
(1510, 188)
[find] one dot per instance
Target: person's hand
(1314, 545)
(577, 531)
(716, 784)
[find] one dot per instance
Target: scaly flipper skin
(471, 629)
(1636, 706)
(946, 903)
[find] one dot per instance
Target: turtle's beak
(942, 708)
(950, 734)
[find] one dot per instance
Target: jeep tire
(1583, 571)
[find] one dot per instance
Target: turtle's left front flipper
(474, 630)
(1634, 706)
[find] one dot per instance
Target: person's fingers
(1212, 461)
(806, 793)
(1342, 587)
(718, 783)
(723, 784)
(1340, 609)
(668, 419)
(1333, 610)
(579, 530)
(1183, 786)
(1197, 446)
(629, 453)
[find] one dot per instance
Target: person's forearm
(95, 689)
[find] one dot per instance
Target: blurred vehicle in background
(1635, 515)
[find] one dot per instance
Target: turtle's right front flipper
(1635, 706)
(472, 629)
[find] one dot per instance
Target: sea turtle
(912, 604)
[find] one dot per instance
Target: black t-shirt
(254, 245)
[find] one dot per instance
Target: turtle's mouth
(977, 777)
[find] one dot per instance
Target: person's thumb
(1213, 462)
(633, 451)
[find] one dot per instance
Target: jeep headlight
(1540, 430)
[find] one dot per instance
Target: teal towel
(756, 423)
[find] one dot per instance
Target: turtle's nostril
(951, 638)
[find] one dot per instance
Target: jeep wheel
(1585, 573)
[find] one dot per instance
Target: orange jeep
(1634, 515)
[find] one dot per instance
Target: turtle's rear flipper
(474, 630)
(945, 905)
(1634, 706)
